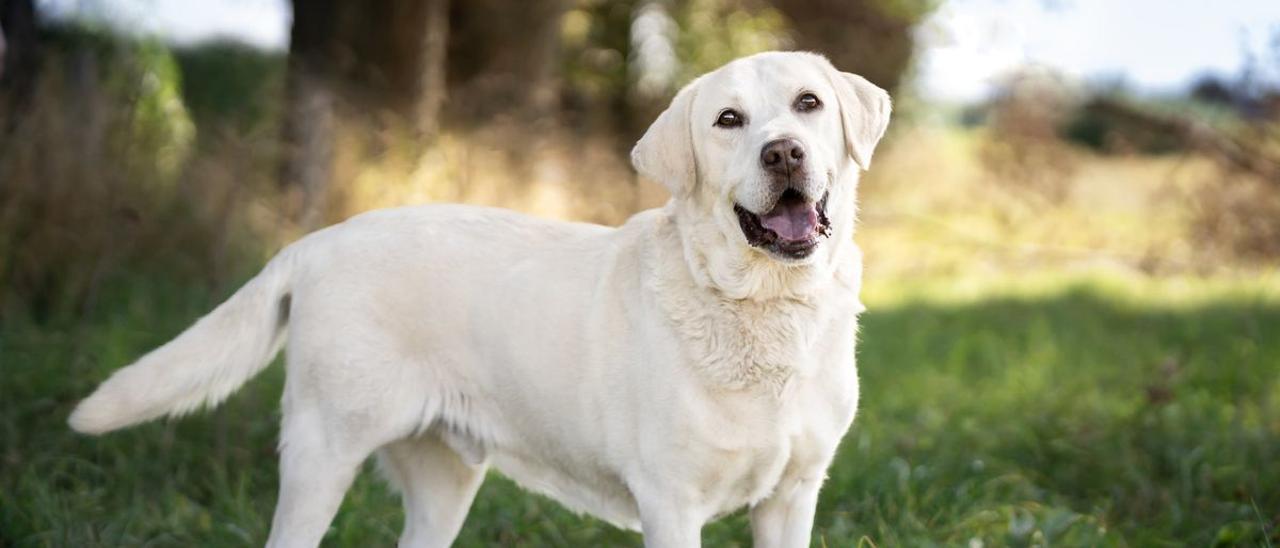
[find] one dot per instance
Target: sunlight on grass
(1123, 288)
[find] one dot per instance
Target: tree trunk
(308, 126)
(19, 47)
(430, 88)
(866, 37)
(363, 68)
(502, 59)
(391, 55)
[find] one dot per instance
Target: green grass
(1063, 412)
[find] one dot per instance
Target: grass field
(1028, 411)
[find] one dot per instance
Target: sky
(262, 23)
(1152, 45)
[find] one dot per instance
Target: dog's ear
(864, 112)
(665, 152)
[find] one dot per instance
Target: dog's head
(762, 158)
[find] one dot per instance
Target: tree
(503, 58)
(370, 66)
(18, 34)
(869, 37)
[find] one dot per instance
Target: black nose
(782, 156)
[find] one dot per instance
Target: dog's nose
(782, 156)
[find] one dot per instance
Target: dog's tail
(204, 364)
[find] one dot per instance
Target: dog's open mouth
(791, 229)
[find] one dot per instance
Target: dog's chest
(737, 345)
(741, 446)
(778, 389)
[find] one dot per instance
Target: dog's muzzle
(792, 228)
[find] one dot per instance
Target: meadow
(1082, 358)
(1045, 411)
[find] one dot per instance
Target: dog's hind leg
(437, 485)
(317, 465)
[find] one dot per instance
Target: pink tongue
(792, 220)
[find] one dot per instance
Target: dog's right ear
(665, 152)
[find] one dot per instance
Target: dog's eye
(729, 118)
(808, 102)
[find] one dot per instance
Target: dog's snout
(782, 156)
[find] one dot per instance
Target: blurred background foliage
(1098, 261)
(373, 105)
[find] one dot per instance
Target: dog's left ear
(665, 152)
(864, 112)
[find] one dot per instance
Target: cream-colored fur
(656, 375)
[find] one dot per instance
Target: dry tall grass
(87, 192)
(934, 204)
(97, 178)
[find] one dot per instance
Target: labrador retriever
(693, 361)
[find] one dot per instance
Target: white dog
(695, 360)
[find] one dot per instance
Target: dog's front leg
(785, 518)
(668, 523)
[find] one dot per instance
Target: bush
(95, 175)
